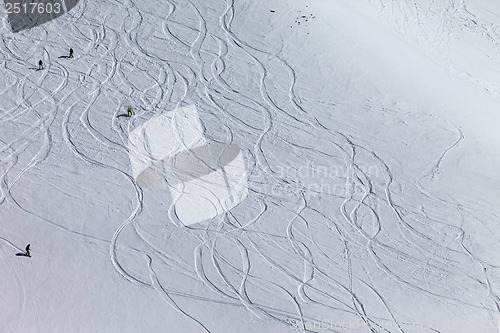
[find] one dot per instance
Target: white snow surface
(371, 136)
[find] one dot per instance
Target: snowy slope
(370, 136)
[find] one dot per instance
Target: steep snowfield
(370, 131)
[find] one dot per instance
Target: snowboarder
(28, 251)
(129, 113)
(71, 53)
(40, 65)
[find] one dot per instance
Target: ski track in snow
(239, 256)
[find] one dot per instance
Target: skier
(71, 53)
(28, 251)
(40, 65)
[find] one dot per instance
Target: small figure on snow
(71, 53)
(40, 65)
(129, 113)
(28, 251)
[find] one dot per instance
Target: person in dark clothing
(28, 251)
(40, 65)
(71, 53)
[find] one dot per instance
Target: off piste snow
(246, 166)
